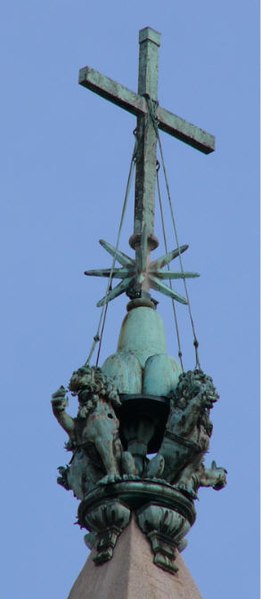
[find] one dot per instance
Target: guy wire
(100, 330)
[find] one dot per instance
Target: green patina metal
(140, 402)
(141, 275)
(147, 138)
(142, 336)
(150, 116)
(135, 104)
(110, 471)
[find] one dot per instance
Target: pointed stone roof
(131, 574)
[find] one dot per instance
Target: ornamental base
(164, 552)
(107, 520)
(164, 529)
(163, 514)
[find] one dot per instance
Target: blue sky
(64, 160)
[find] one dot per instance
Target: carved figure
(214, 477)
(93, 434)
(187, 432)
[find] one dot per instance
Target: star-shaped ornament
(141, 274)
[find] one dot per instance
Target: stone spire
(132, 575)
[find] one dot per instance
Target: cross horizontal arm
(181, 129)
(112, 91)
(136, 104)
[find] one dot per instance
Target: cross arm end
(186, 132)
(112, 91)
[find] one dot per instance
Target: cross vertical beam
(139, 275)
(150, 115)
(149, 41)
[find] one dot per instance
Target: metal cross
(150, 115)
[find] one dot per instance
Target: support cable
(168, 266)
(152, 107)
(100, 330)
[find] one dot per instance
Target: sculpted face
(181, 403)
(195, 383)
(210, 392)
(83, 396)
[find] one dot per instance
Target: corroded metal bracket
(107, 521)
(165, 529)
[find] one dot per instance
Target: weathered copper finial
(140, 402)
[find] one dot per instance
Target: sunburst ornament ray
(135, 278)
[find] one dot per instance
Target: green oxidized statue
(104, 476)
(93, 434)
(186, 437)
